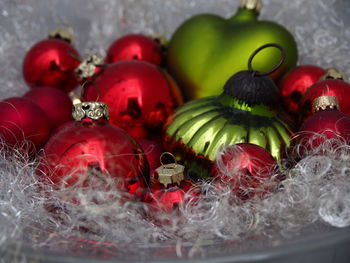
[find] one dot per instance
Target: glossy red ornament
(174, 90)
(21, 119)
(135, 47)
(79, 150)
(296, 82)
(167, 199)
(137, 93)
(322, 125)
(54, 102)
(247, 168)
(51, 63)
(152, 150)
(332, 87)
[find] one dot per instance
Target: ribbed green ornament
(242, 113)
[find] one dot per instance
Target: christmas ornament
(248, 169)
(166, 200)
(207, 49)
(334, 85)
(89, 149)
(54, 102)
(152, 150)
(296, 82)
(241, 113)
(21, 119)
(135, 47)
(327, 122)
(170, 187)
(51, 62)
(137, 93)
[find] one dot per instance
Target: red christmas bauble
(295, 84)
(81, 152)
(174, 90)
(134, 47)
(54, 102)
(247, 168)
(137, 93)
(152, 150)
(167, 199)
(51, 63)
(21, 119)
(332, 87)
(322, 125)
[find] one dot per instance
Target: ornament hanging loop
(169, 154)
(283, 57)
(85, 84)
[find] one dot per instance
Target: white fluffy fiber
(316, 190)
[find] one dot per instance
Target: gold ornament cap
(87, 67)
(93, 110)
(333, 73)
(325, 102)
(172, 173)
(161, 40)
(64, 34)
(255, 5)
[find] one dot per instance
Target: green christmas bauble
(242, 113)
(207, 49)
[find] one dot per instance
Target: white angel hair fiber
(316, 189)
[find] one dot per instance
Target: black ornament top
(252, 87)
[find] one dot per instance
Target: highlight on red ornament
(247, 169)
(138, 94)
(296, 82)
(135, 47)
(51, 62)
(22, 120)
(167, 199)
(91, 155)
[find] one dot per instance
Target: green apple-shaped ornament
(207, 49)
(242, 113)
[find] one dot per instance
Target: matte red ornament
(168, 199)
(332, 87)
(296, 82)
(21, 119)
(152, 150)
(137, 93)
(135, 47)
(54, 102)
(51, 63)
(323, 125)
(248, 169)
(82, 151)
